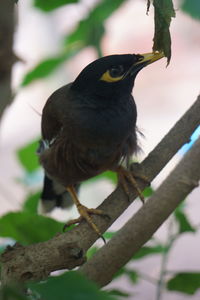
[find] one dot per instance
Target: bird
(89, 126)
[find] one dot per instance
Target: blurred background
(162, 96)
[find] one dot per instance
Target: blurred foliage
(192, 7)
(29, 228)
(187, 283)
(27, 156)
(70, 285)
(50, 5)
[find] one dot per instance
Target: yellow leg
(84, 213)
(126, 176)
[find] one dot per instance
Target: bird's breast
(107, 125)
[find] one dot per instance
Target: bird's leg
(84, 213)
(126, 176)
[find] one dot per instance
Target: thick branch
(82, 235)
(6, 52)
(139, 229)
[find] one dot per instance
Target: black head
(114, 74)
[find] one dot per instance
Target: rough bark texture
(34, 257)
(139, 229)
(6, 52)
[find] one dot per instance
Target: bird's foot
(84, 213)
(125, 177)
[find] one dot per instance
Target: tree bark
(7, 57)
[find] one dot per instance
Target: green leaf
(71, 285)
(27, 156)
(48, 5)
(13, 292)
(108, 235)
(91, 30)
(187, 283)
(132, 275)
(31, 202)
(28, 228)
(43, 69)
(109, 175)
(46, 67)
(144, 251)
(120, 272)
(91, 252)
(192, 7)
(164, 11)
(148, 191)
(118, 293)
(182, 220)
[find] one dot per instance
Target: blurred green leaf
(31, 202)
(120, 272)
(109, 175)
(13, 292)
(28, 228)
(148, 191)
(108, 235)
(187, 283)
(132, 275)
(48, 5)
(91, 252)
(46, 67)
(71, 285)
(144, 251)
(91, 30)
(118, 293)
(182, 220)
(191, 7)
(163, 13)
(43, 69)
(27, 156)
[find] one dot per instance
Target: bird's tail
(54, 195)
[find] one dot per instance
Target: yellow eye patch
(108, 78)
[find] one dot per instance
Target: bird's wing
(53, 114)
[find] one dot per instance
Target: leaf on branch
(186, 282)
(191, 7)
(71, 285)
(182, 220)
(28, 228)
(144, 251)
(51, 4)
(163, 13)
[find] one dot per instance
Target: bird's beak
(143, 60)
(149, 58)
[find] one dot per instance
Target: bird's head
(113, 74)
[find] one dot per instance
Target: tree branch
(33, 258)
(139, 229)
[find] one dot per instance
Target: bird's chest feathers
(109, 124)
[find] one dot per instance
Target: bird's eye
(114, 74)
(116, 71)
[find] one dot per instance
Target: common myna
(88, 127)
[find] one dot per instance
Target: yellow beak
(150, 57)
